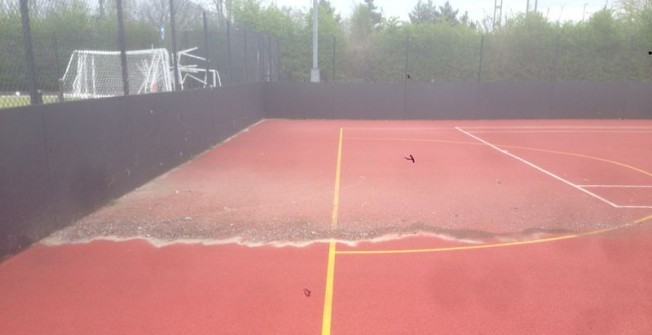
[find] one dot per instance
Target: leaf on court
(306, 292)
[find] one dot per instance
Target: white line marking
(616, 186)
(623, 186)
(538, 168)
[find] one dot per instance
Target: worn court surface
(323, 227)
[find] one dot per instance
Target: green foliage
(522, 50)
(527, 47)
(390, 52)
(449, 53)
(436, 45)
(427, 12)
(12, 55)
(424, 12)
(440, 45)
(447, 14)
(293, 30)
(362, 24)
(286, 25)
(363, 28)
(8, 101)
(57, 30)
(375, 15)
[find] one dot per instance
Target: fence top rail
(115, 53)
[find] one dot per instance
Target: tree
(157, 13)
(328, 10)
(607, 44)
(465, 20)
(442, 44)
(524, 49)
(101, 8)
(375, 14)
(361, 24)
(424, 12)
(638, 15)
(365, 21)
(219, 9)
(448, 15)
(288, 26)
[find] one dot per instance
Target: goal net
(98, 74)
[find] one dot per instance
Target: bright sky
(562, 10)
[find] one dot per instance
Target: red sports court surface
(324, 227)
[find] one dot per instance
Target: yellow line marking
(328, 295)
(327, 315)
(338, 172)
(495, 245)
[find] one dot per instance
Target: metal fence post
(269, 57)
(246, 57)
(260, 54)
(208, 52)
(175, 61)
(555, 72)
(35, 96)
(263, 56)
(123, 48)
(55, 47)
(277, 59)
(334, 56)
(481, 58)
(228, 50)
(407, 58)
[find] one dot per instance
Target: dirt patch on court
(198, 230)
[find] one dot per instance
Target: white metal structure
(196, 74)
(97, 74)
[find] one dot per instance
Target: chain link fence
(245, 55)
(561, 58)
(61, 50)
(502, 57)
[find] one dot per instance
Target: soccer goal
(98, 74)
(194, 76)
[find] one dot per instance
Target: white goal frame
(193, 73)
(148, 73)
